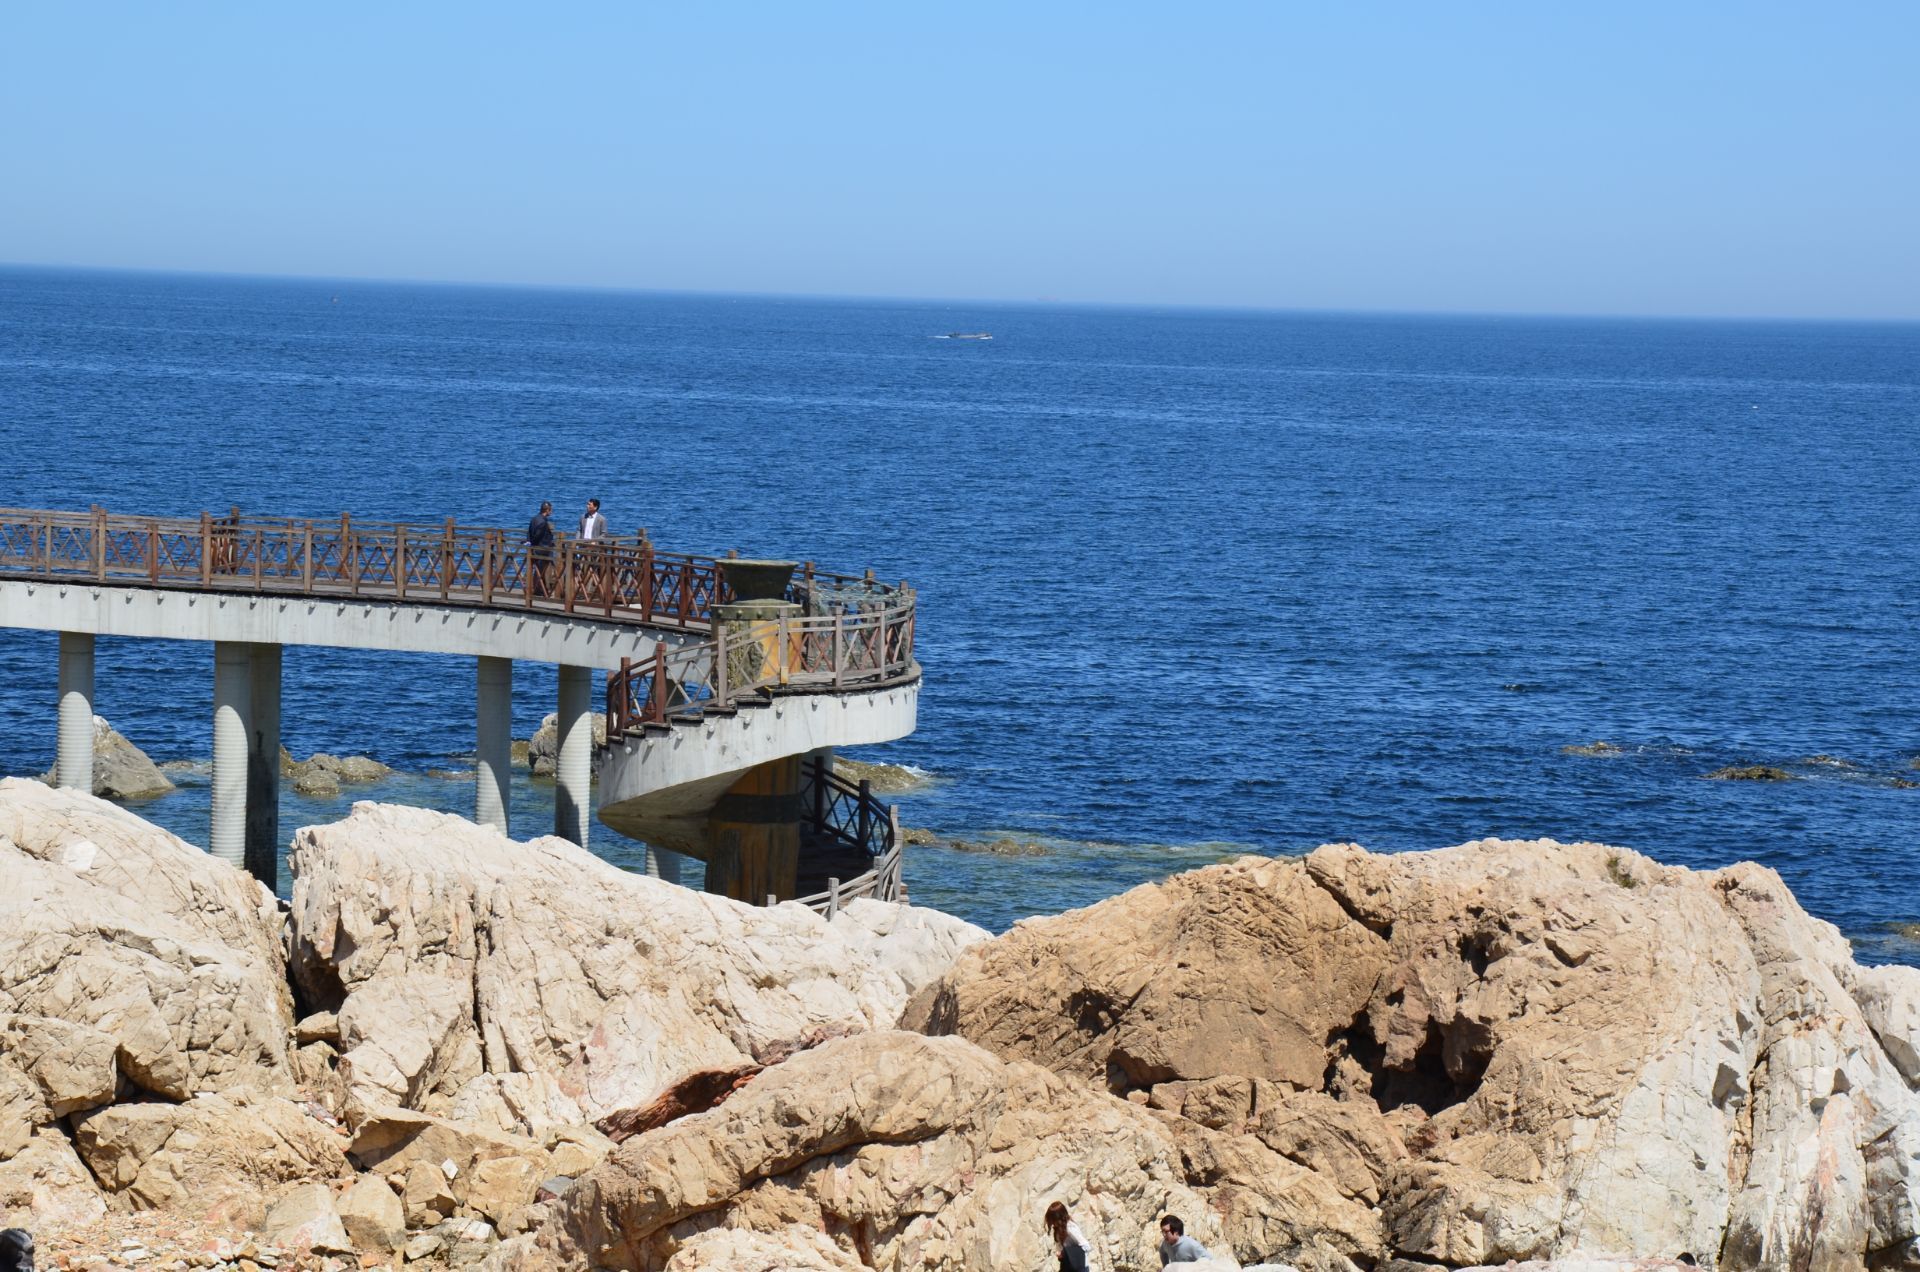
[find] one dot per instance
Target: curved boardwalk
(683, 651)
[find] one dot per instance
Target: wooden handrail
(854, 632)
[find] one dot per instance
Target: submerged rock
(341, 768)
(1750, 773)
(543, 749)
(882, 779)
(121, 770)
(1592, 749)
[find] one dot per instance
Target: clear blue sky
(1690, 158)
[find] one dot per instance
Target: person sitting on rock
(1176, 1246)
(1075, 1253)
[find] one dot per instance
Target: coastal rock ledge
(460, 1050)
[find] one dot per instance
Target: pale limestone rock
(303, 1218)
(399, 1142)
(1516, 1050)
(543, 748)
(23, 1106)
(426, 1195)
(321, 1026)
(210, 1158)
(794, 1248)
(407, 1042)
(1889, 998)
(73, 1066)
(186, 1012)
(373, 1215)
(520, 1103)
(45, 1188)
(611, 983)
(911, 944)
(935, 1152)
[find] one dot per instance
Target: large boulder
(211, 1157)
(112, 927)
(44, 1186)
(456, 956)
(895, 1150)
(121, 770)
(1509, 1050)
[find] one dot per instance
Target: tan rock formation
(112, 925)
(208, 1158)
(45, 1187)
(1512, 1050)
(904, 1151)
(451, 952)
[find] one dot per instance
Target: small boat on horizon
(966, 335)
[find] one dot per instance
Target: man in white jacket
(592, 524)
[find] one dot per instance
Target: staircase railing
(847, 813)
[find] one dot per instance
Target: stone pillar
(573, 766)
(493, 745)
(753, 835)
(232, 732)
(263, 765)
(73, 746)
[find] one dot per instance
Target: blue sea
(1192, 583)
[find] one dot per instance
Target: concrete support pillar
(573, 768)
(232, 732)
(262, 854)
(493, 745)
(664, 864)
(753, 835)
(73, 746)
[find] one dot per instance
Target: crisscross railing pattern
(847, 813)
(851, 632)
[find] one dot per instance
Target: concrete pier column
(663, 864)
(262, 854)
(753, 834)
(573, 769)
(232, 732)
(73, 746)
(493, 744)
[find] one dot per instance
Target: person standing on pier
(592, 525)
(540, 547)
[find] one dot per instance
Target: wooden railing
(847, 813)
(853, 631)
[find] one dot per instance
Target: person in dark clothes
(540, 548)
(16, 1250)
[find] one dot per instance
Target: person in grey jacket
(1176, 1246)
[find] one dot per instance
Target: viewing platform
(729, 682)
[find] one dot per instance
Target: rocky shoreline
(454, 1049)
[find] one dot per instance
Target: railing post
(486, 569)
(608, 556)
(657, 696)
(306, 558)
(646, 578)
(206, 549)
(351, 551)
(819, 795)
(720, 665)
(866, 812)
(839, 649)
(153, 552)
(617, 717)
(99, 543)
(259, 558)
(686, 590)
(833, 899)
(397, 562)
(446, 561)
